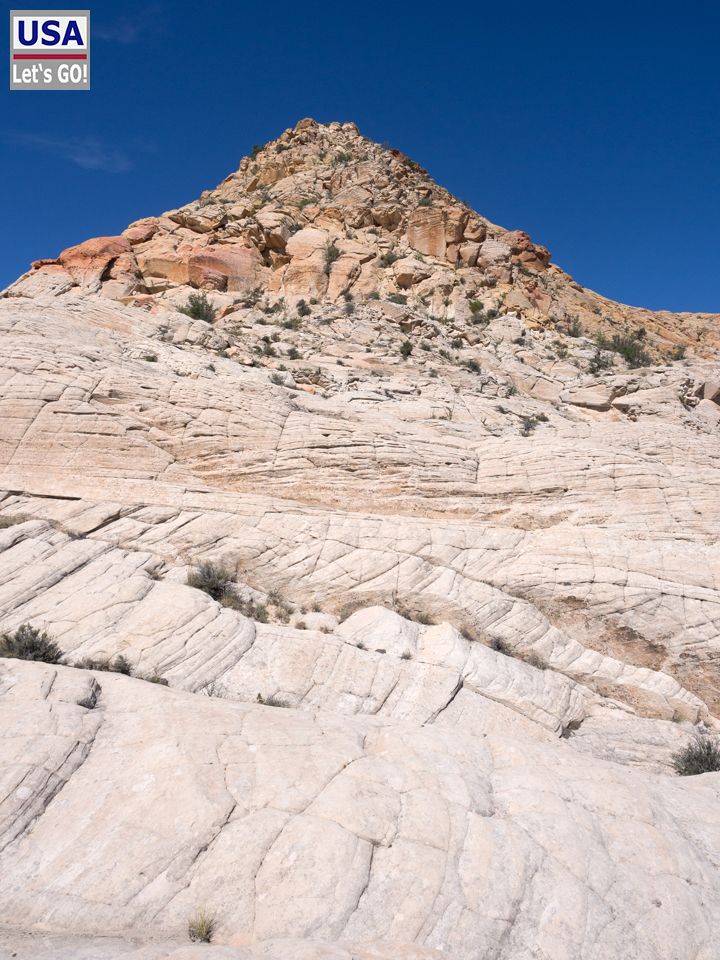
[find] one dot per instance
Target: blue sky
(593, 127)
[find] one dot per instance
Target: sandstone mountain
(418, 539)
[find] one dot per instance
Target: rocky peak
(324, 213)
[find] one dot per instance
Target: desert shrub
(255, 150)
(575, 328)
(398, 298)
(629, 347)
(149, 357)
(276, 379)
(331, 255)
(528, 425)
(293, 353)
(9, 520)
(425, 202)
(199, 308)
(406, 655)
(373, 295)
(456, 343)
(272, 701)
(678, 353)
(344, 157)
(701, 755)
(406, 348)
(252, 298)
(502, 647)
(119, 665)
(475, 306)
(303, 309)
(599, 361)
(388, 259)
(201, 926)
(473, 366)
(156, 678)
(29, 643)
(349, 309)
(214, 579)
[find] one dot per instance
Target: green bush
(628, 346)
(398, 298)
(575, 328)
(199, 308)
(29, 643)
(331, 255)
(406, 348)
(388, 259)
(425, 202)
(701, 755)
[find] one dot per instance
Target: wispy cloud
(130, 29)
(89, 152)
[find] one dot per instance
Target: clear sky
(595, 127)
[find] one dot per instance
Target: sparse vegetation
(406, 348)
(11, 519)
(201, 926)
(332, 253)
(575, 328)
(149, 357)
(119, 665)
(388, 259)
(272, 701)
(529, 423)
(679, 352)
(629, 347)
(425, 202)
(303, 309)
(199, 308)
(29, 643)
(214, 579)
(599, 361)
(398, 298)
(701, 755)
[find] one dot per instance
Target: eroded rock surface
(476, 601)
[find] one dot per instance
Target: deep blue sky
(593, 127)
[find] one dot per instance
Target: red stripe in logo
(49, 56)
